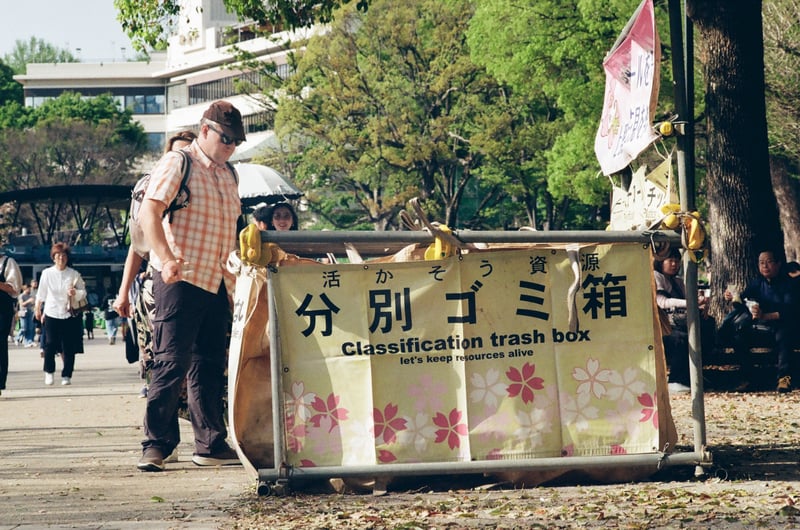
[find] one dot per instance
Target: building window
(140, 104)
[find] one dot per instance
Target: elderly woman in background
(63, 331)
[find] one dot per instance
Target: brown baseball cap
(227, 117)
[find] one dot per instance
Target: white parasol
(262, 184)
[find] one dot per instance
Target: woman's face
(60, 259)
(670, 266)
(282, 219)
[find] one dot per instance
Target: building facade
(169, 92)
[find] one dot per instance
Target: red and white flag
(632, 79)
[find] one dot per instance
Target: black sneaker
(226, 457)
(152, 460)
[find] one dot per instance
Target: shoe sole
(150, 466)
(208, 461)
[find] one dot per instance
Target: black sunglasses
(227, 140)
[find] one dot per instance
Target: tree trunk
(785, 187)
(743, 212)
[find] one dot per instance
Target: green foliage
(388, 105)
(36, 50)
(150, 24)
(10, 90)
(68, 140)
(552, 53)
(782, 77)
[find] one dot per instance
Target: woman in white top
(63, 331)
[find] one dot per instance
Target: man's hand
(122, 305)
(172, 271)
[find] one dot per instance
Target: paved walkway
(68, 453)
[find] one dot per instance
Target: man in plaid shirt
(192, 290)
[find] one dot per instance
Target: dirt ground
(68, 459)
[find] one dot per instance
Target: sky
(90, 25)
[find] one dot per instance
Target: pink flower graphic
(384, 456)
(495, 454)
(328, 409)
(294, 434)
(649, 412)
(524, 382)
(451, 429)
(618, 450)
(387, 423)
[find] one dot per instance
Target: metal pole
(278, 428)
(656, 460)
(681, 56)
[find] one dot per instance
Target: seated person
(671, 297)
(773, 302)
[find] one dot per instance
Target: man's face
(211, 141)
(768, 266)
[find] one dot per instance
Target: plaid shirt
(203, 233)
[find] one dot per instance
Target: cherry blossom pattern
(533, 425)
(328, 411)
(451, 430)
(487, 388)
(625, 386)
(298, 401)
(427, 393)
(418, 432)
(591, 379)
(295, 434)
(618, 450)
(624, 420)
(650, 410)
(523, 382)
(386, 457)
(387, 423)
(577, 412)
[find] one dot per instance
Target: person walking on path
(25, 302)
(135, 297)
(10, 286)
(62, 330)
(111, 317)
(192, 289)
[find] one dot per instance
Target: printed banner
(469, 358)
(639, 207)
(632, 76)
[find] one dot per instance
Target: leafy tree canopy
(150, 24)
(36, 50)
(10, 90)
(388, 105)
(553, 51)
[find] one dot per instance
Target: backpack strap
(181, 200)
(184, 194)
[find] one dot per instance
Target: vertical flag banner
(469, 358)
(632, 76)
